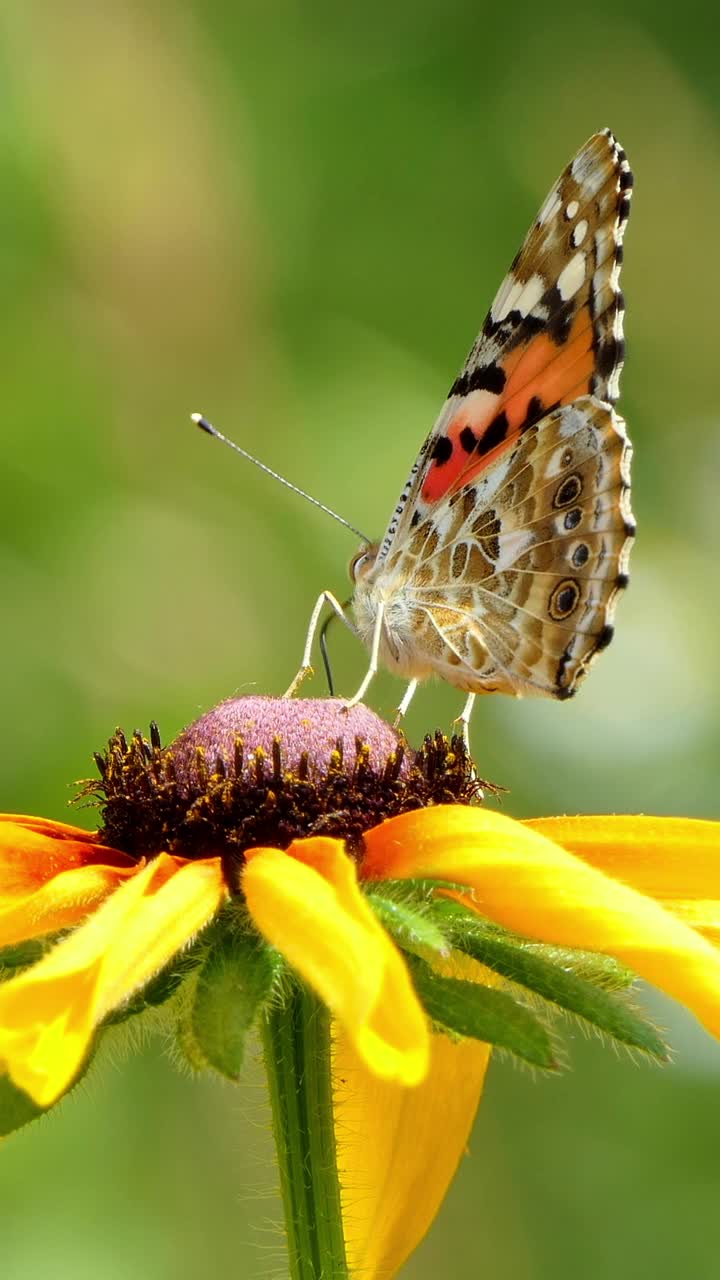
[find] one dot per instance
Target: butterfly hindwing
(513, 586)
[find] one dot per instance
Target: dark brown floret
(266, 771)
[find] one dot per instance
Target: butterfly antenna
(202, 422)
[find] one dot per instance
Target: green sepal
(420, 889)
(22, 954)
(17, 1108)
(601, 971)
(545, 972)
(157, 991)
(234, 984)
(482, 1013)
(410, 925)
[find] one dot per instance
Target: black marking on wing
(494, 434)
(442, 450)
(487, 377)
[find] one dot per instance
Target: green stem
(296, 1040)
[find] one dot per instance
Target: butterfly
(504, 557)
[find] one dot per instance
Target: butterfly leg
(405, 703)
(306, 668)
(374, 660)
(464, 720)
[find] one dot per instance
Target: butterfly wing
(502, 564)
(553, 334)
(511, 586)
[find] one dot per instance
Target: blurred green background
(293, 216)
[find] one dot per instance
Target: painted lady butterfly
(505, 555)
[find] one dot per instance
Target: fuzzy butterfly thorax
(398, 642)
(502, 563)
(398, 651)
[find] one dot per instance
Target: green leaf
(529, 966)
(482, 1013)
(411, 927)
(235, 982)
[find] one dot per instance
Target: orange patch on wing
(541, 370)
(550, 373)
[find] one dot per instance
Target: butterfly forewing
(553, 333)
(501, 566)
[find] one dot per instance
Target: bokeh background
(293, 216)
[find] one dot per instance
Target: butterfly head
(363, 561)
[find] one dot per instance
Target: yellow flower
(186, 839)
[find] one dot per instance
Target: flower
(279, 842)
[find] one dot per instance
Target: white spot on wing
(513, 544)
(570, 420)
(588, 173)
(579, 232)
(572, 209)
(532, 292)
(603, 245)
(443, 525)
(571, 277)
(508, 294)
(476, 406)
(522, 296)
(555, 465)
(613, 386)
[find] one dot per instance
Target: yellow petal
(52, 875)
(49, 827)
(63, 901)
(676, 860)
(398, 1149)
(307, 903)
(33, 850)
(49, 1013)
(528, 884)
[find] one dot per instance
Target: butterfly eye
(362, 562)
